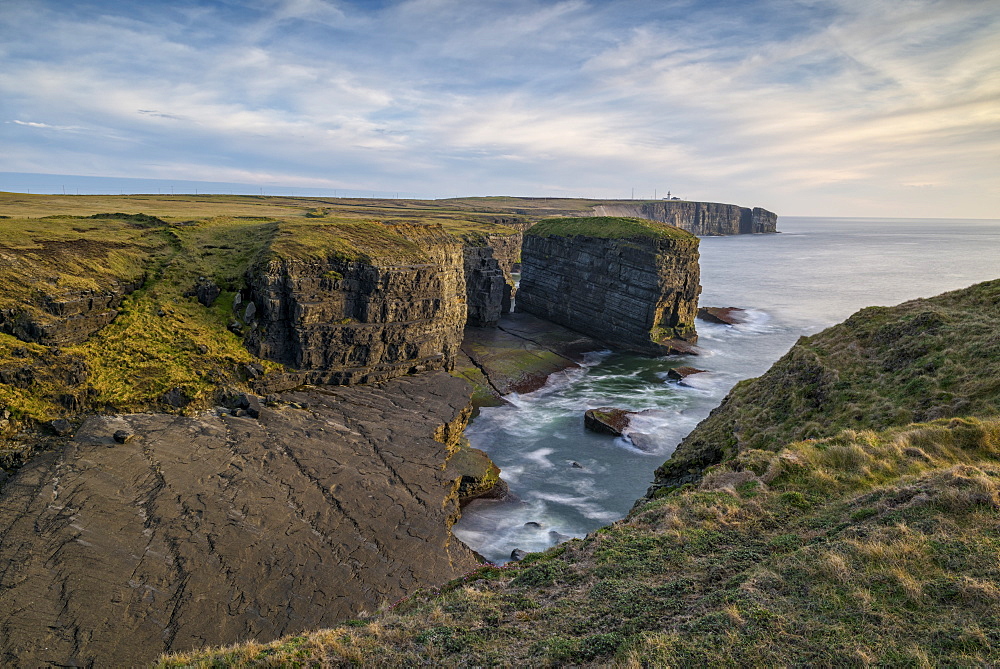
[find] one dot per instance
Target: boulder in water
(607, 420)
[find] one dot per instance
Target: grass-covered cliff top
(162, 340)
(609, 227)
(883, 367)
(867, 548)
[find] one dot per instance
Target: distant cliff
(700, 218)
(373, 302)
(629, 282)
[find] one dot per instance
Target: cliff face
(627, 282)
(700, 218)
(361, 319)
(487, 291)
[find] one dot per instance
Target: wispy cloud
(827, 106)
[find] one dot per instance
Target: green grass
(884, 366)
(609, 227)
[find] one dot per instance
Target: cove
(814, 274)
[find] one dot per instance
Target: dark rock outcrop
(490, 260)
(722, 315)
(627, 282)
(487, 290)
(67, 317)
(700, 218)
(607, 420)
(213, 529)
(359, 320)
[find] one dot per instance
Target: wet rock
(123, 436)
(533, 524)
(558, 537)
(576, 465)
(519, 355)
(477, 474)
(517, 555)
(723, 315)
(644, 442)
(186, 542)
(607, 420)
(61, 426)
(681, 373)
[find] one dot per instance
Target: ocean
(815, 273)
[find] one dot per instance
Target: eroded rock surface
(214, 529)
(519, 355)
(722, 315)
(700, 218)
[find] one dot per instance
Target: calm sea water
(817, 272)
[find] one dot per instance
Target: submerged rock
(723, 315)
(681, 373)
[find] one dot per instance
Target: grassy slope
(884, 366)
(819, 542)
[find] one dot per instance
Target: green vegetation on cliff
(608, 227)
(884, 366)
(157, 348)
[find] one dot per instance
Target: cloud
(770, 102)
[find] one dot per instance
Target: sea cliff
(700, 218)
(387, 300)
(631, 283)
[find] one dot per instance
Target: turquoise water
(815, 273)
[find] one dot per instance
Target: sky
(804, 107)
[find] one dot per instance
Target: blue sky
(808, 107)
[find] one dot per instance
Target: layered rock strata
(66, 318)
(700, 218)
(215, 529)
(490, 262)
(627, 282)
(487, 291)
(363, 318)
